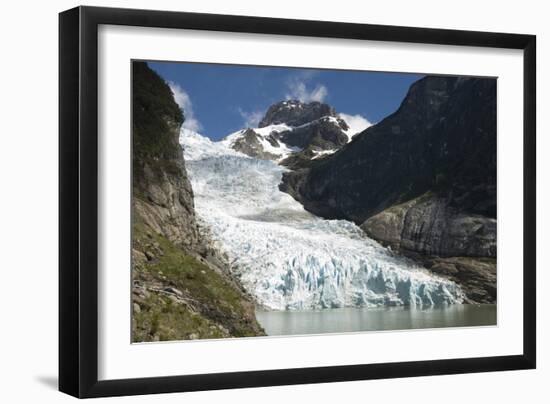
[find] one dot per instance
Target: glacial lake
(375, 319)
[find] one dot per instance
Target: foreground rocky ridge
(422, 181)
(180, 287)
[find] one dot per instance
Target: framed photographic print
(250, 201)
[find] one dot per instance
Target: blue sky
(220, 99)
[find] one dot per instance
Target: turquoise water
(378, 319)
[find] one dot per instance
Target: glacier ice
(285, 256)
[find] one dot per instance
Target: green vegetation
(155, 115)
(156, 119)
(162, 319)
(183, 298)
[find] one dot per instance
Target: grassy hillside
(177, 296)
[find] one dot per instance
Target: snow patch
(321, 153)
(356, 124)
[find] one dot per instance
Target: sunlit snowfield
(288, 258)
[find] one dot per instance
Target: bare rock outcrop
(428, 225)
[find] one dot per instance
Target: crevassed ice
(285, 256)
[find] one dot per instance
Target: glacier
(287, 258)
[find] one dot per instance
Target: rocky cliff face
(423, 180)
(180, 287)
(162, 193)
(430, 225)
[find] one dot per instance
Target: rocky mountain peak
(295, 113)
(292, 128)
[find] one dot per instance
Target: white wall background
(28, 202)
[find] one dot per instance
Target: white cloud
(356, 123)
(251, 119)
(184, 102)
(298, 90)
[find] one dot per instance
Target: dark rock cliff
(442, 138)
(423, 180)
(181, 288)
(162, 193)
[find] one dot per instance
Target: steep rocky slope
(162, 193)
(180, 287)
(422, 181)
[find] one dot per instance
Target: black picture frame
(78, 201)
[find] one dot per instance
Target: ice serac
(287, 257)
